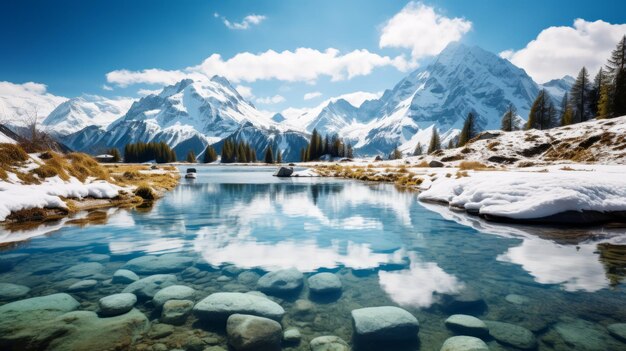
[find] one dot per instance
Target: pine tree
(269, 155)
(279, 157)
(349, 153)
(542, 113)
(567, 115)
(418, 149)
(395, 154)
(116, 155)
(191, 157)
(303, 155)
(509, 119)
(469, 129)
(580, 97)
(209, 154)
(594, 92)
(604, 102)
(616, 72)
(435, 141)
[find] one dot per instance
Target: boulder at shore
(219, 306)
(246, 332)
(386, 323)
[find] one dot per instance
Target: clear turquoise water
(387, 248)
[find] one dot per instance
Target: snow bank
(5, 139)
(305, 173)
(15, 197)
(532, 195)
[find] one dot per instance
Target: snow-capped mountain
(84, 111)
(558, 87)
(187, 116)
(18, 102)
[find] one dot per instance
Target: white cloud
(420, 28)
(270, 100)
(301, 65)
(312, 95)
(560, 51)
(246, 23)
(106, 87)
(146, 92)
(19, 101)
(244, 91)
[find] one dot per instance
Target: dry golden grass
(467, 165)
(134, 175)
(11, 155)
(145, 192)
(422, 164)
(78, 165)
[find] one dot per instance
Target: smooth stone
(517, 299)
(86, 331)
(95, 258)
(329, 343)
(159, 331)
(292, 336)
(117, 304)
(9, 291)
(304, 310)
(214, 348)
(8, 261)
(173, 292)
(24, 323)
(83, 285)
(467, 325)
(246, 332)
(582, 334)
(191, 271)
(464, 343)
(618, 330)
(513, 335)
(324, 283)
(48, 268)
(231, 270)
(147, 287)
(176, 311)
(248, 278)
(124, 276)
(159, 347)
(153, 264)
(465, 301)
(282, 281)
(83, 270)
(219, 306)
(256, 293)
(223, 279)
(384, 323)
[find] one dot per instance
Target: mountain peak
(221, 80)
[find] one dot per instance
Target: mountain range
(189, 115)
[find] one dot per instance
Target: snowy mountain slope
(87, 110)
(7, 136)
(188, 116)
(19, 101)
(460, 80)
(558, 87)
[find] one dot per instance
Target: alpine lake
(531, 287)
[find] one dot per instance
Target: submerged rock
(292, 336)
(152, 264)
(86, 331)
(147, 287)
(464, 343)
(467, 300)
(83, 270)
(467, 325)
(618, 330)
(219, 306)
(248, 278)
(174, 292)
(386, 323)
(83, 285)
(282, 281)
(117, 304)
(9, 291)
(246, 332)
(124, 276)
(517, 299)
(582, 334)
(325, 283)
(8, 261)
(23, 323)
(176, 311)
(513, 335)
(329, 343)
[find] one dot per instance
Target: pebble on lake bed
(385, 323)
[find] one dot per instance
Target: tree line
(139, 152)
(319, 146)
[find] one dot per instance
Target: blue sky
(71, 45)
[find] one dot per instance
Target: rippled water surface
(387, 248)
